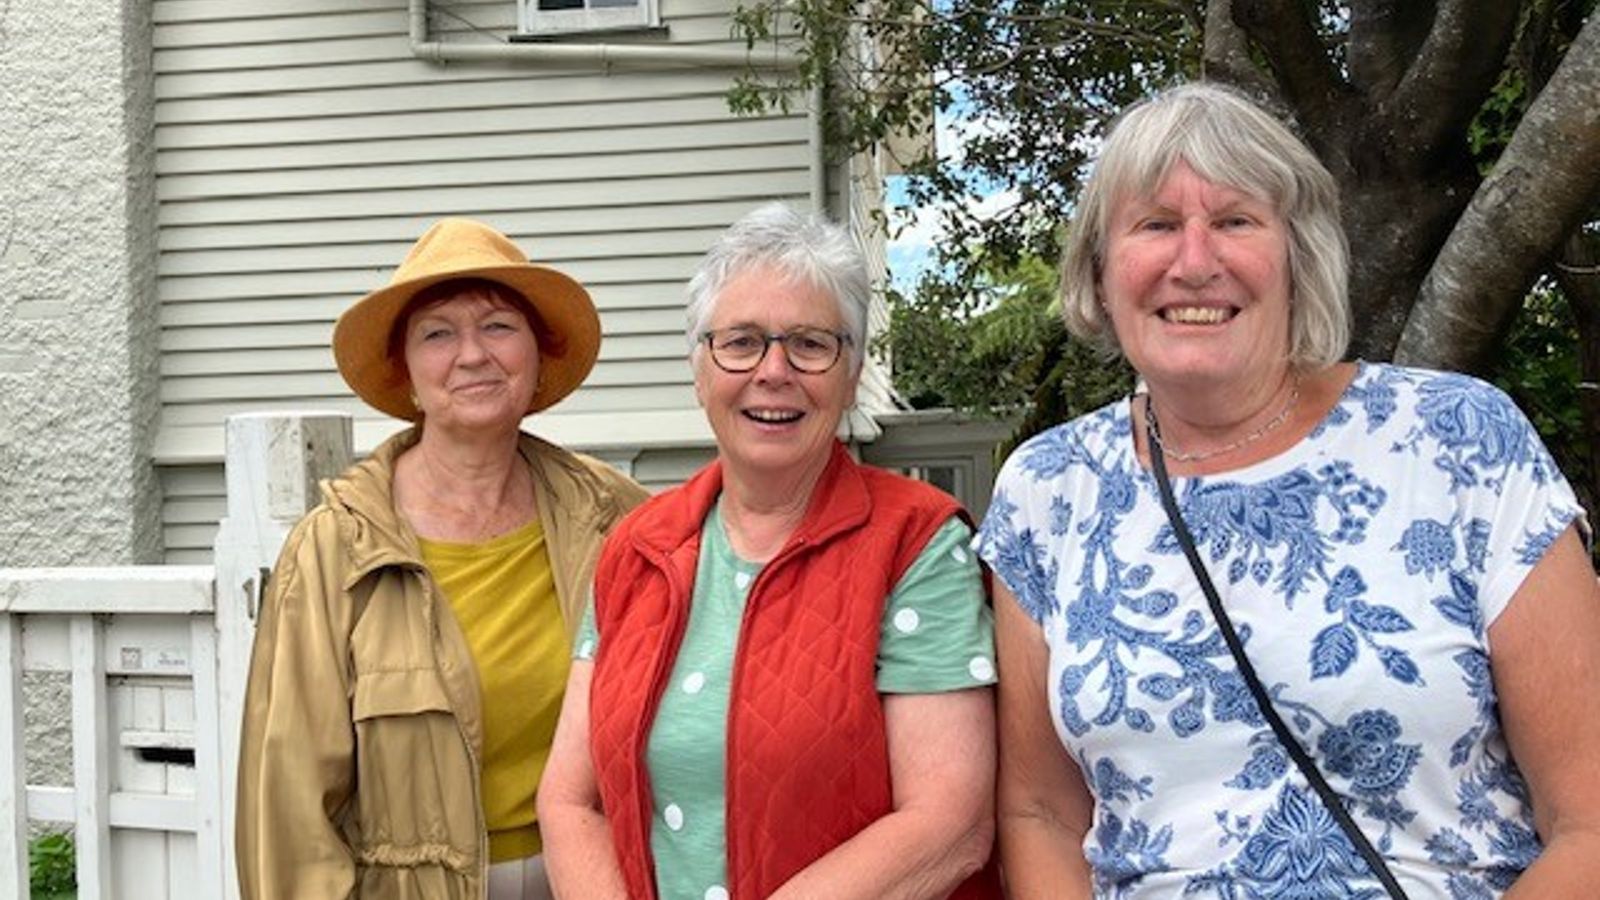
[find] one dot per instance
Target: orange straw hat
(463, 248)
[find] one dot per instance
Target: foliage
(1003, 349)
(52, 865)
(1540, 368)
(979, 351)
(1410, 105)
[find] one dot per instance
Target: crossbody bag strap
(1302, 760)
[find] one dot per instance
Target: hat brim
(361, 336)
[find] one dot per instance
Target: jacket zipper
(472, 755)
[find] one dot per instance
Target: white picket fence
(157, 657)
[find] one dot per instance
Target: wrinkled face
(473, 361)
(773, 419)
(1196, 281)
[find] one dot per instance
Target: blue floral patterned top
(1362, 568)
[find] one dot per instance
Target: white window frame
(532, 20)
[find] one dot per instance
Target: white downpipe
(595, 54)
(819, 154)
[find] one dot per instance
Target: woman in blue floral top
(1399, 555)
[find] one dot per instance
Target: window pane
(548, 5)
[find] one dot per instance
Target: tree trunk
(1395, 229)
(1542, 187)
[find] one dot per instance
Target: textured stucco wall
(77, 284)
(78, 323)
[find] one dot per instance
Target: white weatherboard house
(190, 193)
(194, 189)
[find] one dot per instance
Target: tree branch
(1284, 31)
(1454, 70)
(1541, 188)
(1227, 52)
(1385, 36)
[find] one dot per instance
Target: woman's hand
(577, 839)
(1045, 808)
(1544, 650)
(941, 762)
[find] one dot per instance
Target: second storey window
(560, 16)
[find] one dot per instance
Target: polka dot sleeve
(938, 631)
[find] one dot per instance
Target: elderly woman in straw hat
(412, 653)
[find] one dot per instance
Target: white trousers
(519, 879)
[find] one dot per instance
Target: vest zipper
(658, 676)
(730, 754)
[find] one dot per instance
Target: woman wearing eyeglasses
(783, 687)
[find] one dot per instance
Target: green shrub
(52, 865)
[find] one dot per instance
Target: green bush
(52, 865)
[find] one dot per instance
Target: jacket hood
(373, 531)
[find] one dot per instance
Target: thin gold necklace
(1173, 453)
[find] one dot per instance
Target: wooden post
(13, 780)
(212, 841)
(91, 757)
(274, 461)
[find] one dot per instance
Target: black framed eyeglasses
(808, 350)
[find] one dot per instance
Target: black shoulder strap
(1330, 798)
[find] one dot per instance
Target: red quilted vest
(807, 755)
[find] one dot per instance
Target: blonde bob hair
(1228, 140)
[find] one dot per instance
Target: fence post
(91, 757)
(13, 784)
(274, 461)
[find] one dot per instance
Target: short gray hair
(809, 248)
(1227, 139)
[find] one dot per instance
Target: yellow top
(504, 597)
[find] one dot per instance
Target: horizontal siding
(350, 284)
(661, 469)
(202, 401)
(620, 220)
(688, 129)
(592, 168)
(636, 306)
(196, 498)
(568, 249)
(301, 148)
(752, 185)
(376, 134)
(188, 22)
(663, 340)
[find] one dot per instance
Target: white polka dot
(906, 621)
(981, 668)
(716, 892)
(586, 649)
(673, 815)
(959, 554)
(693, 682)
(742, 579)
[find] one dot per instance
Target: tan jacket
(363, 726)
